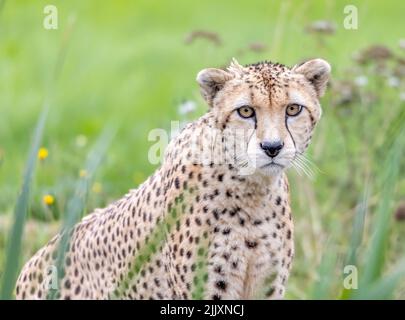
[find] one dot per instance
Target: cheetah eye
(293, 110)
(246, 112)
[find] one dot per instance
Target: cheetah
(214, 221)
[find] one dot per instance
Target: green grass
(127, 62)
(75, 209)
(11, 267)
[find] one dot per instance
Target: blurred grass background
(134, 62)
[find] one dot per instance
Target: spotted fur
(244, 222)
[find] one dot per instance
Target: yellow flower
(48, 200)
(43, 153)
(83, 173)
(97, 187)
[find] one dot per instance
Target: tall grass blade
(20, 213)
(385, 287)
(201, 272)
(376, 257)
(358, 227)
(357, 235)
(154, 243)
(77, 203)
(21, 209)
(322, 287)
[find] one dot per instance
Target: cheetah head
(275, 106)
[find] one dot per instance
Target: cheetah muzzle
(214, 221)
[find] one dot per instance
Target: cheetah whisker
(305, 165)
(300, 170)
(297, 162)
(310, 162)
(297, 168)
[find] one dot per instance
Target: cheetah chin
(214, 226)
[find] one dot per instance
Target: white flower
(361, 81)
(393, 82)
(187, 107)
(402, 44)
(322, 26)
(81, 140)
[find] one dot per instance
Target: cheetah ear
(317, 72)
(211, 81)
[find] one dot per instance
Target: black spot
(216, 215)
(251, 244)
(177, 183)
(67, 284)
(218, 269)
(278, 201)
(221, 285)
(77, 290)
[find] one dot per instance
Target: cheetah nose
(272, 149)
